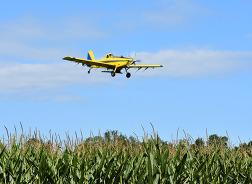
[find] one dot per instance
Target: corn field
(33, 159)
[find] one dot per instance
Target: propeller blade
(134, 62)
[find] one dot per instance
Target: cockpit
(109, 55)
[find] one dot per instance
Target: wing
(145, 66)
(89, 62)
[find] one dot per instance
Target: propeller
(134, 61)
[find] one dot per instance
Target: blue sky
(205, 84)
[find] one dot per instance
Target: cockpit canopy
(109, 55)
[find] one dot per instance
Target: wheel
(112, 74)
(88, 72)
(128, 75)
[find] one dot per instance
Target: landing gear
(128, 75)
(112, 74)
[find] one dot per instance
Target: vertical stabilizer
(90, 55)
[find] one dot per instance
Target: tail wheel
(128, 75)
(112, 74)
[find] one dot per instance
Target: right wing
(145, 66)
(89, 62)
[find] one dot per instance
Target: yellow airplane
(113, 64)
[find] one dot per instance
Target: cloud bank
(173, 13)
(31, 52)
(197, 63)
(16, 77)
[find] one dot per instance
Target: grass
(115, 158)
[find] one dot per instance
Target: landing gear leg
(112, 74)
(128, 75)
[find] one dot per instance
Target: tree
(214, 139)
(164, 143)
(224, 140)
(122, 138)
(94, 139)
(107, 136)
(112, 135)
(199, 142)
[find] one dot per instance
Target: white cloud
(25, 51)
(50, 81)
(31, 29)
(31, 39)
(174, 13)
(17, 77)
(161, 15)
(197, 62)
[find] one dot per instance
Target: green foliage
(199, 142)
(215, 139)
(116, 159)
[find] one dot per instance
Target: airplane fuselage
(116, 61)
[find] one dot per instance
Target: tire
(128, 75)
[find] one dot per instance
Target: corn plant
(31, 159)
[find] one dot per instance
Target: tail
(90, 55)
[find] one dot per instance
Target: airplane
(112, 64)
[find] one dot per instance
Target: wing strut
(146, 68)
(138, 69)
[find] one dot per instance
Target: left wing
(89, 62)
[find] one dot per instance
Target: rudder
(90, 55)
